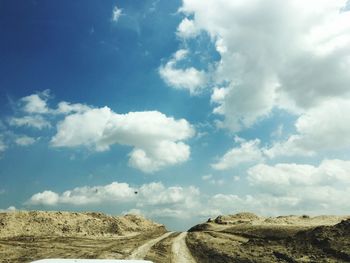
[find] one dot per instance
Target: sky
(175, 110)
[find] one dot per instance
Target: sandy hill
(252, 219)
(40, 223)
(246, 237)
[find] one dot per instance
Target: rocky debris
(91, 224)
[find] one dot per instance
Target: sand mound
(236, 218)
(304, 220)
(248, 238)
(40, 223)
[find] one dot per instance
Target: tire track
(141, 252)
(180, 251)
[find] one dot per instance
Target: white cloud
(114, 192)
(44, 198)
(286, 54)
(156, 138)
(329, 172)
(288, 188)
(247, 152)
(25, 140)
(275, 190)
(151, 199)
(36, 103)
(35, 121)
(323, 128)
(189, 78)
(187, 29)
(298, 188)
(210, 179)
(67, 108)
(9, 209)
(117, 12)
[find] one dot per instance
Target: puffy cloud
(293, 188)
(247, 152)
(323, 128)
(114, 192)
(44, 198)
(274, 190)
(288, 188)
(187, 29)
(36, 103)
(35, 121)
(287, 54)
(25, 140)
(156, 138)
(117, 12)
(153, 199)
(329, 172)
(190, 78)
(67, 108)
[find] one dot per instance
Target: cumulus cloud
(322, 128)
(25, 140)
(273, 190)
(189, 78)
(36, 103)
(153, 199)
(114, 192)
(67, 108)
(156, 138)
(286, 54)
(292, 188)
(34, 121)
(246, 152)
(187, 29)
(117, 12)
(44, 198)
(323, 186)
(286, 176)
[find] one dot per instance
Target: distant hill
(40, 223)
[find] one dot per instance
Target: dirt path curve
(141, 252)
(180, 251)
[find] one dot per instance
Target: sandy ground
(242, 237)
(141, 252)
(180, 251)
(248, 238)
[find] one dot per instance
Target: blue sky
(200, 108)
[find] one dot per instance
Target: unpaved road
(170, 247)
(141, 252)
(180, 251)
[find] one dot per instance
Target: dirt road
(180, 251)
(170, 247)
(141, 252)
